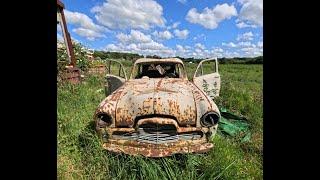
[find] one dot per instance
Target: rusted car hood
(171, 97)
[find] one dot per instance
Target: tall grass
(80, 155)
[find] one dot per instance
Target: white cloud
(180, 48)
(87, 28)
(181, 34)
(216, 52)
(88, 33)
(134, 37)
(251, 11)
(252, 52)
(200, 46)
(112, 47)
(229, 54)
(244, 25)
(162, 35)
(248, 36)
(82, 20)
(219, 50)
(138, 14)
(152, 48)
(141, 43)
(239, 44)
(230, 44)
(183, 51)
(173, 26)
(245, 44)
(182, 1)
(199, 37)
(138, 42)
(210, 18)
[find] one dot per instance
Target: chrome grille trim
(154, 136)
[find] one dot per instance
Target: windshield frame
(183, 69)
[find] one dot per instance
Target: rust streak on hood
(166, 96)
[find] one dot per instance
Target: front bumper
(151, 150)
(157, 148)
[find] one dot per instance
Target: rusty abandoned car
(158, 112)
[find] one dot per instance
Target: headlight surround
(210, 119)
(104, 120)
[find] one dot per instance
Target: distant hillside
(133, 57)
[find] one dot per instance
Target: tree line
(133, 57)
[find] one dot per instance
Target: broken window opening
(158, 70)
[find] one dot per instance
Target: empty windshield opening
(158, 70)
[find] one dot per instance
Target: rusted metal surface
(146, 60)
(156, 117)
(209, 83)
(72, 75)
(97, 70)
(65, 33)
(136, 147)
(155, 151)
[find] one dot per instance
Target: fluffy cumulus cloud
(239, 44)
(173, 26)
(217, 52)
(88, 33)
(241, 24)
(86, 27)
(246, 44)
(181, 34)
(199, 46)
(137, 14)
(210, 18)
(200, 37)
(183, 51)
(182, 1)
(243, 49)
(199, 51)
(229, 54)
(248, 36)
(165, 35)
(134, 37)
(252, 51)
(138, 42)
(251, 12)
(230, 44)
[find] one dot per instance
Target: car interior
(161, 70)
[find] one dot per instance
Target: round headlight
(209, 119)
(104, 120)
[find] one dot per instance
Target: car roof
(146, 60)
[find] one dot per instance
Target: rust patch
(154, 151)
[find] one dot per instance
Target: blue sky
(187, 28)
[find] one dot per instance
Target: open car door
(207, 77)
(115, 76)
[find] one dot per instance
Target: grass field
(80, 155)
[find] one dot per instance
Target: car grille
(156, 134)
